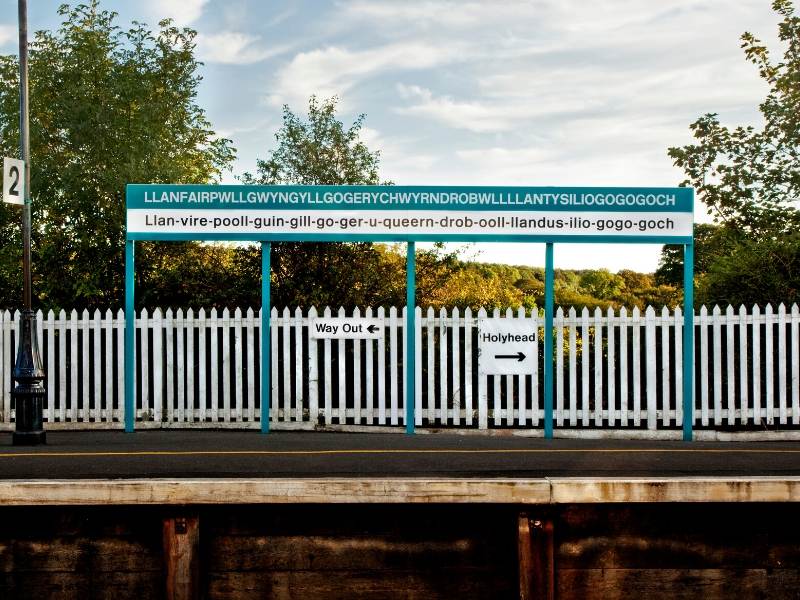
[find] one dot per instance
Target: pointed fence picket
(468, 324)
(341, 396)
(497, 407)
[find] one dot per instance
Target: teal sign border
(136, 198)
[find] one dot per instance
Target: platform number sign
(13, 181)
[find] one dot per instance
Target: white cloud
(234, 48)
(334, 70)
(402, 159)
(542, 18)
(472, 116)
(441, 15)
(182, 12)
(492, 116)
(7, 33)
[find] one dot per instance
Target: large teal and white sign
(330, 213)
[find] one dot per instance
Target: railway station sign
(346, 328)
(506, 346)
(551, 215)
(437, 213)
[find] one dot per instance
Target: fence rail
(613, 369)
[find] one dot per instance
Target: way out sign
(506, 346)
(346, 329)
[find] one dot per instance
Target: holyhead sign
(410, 214)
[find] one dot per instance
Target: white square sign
(13, 181)
(345, 328)
(506, 346)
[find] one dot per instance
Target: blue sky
(540, 92)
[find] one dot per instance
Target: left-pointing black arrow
(519, 356)
(372, 328)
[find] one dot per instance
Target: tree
(641, 289)
(200, 275)
(602, 284)
(320, 150)
(108, 107)
(766, 271)
(476, 287)
(711, 242)
(749, 178)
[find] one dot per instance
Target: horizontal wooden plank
(272, 491)
(396, 490)
(677, 489)
(673, 552)
(678, 536)
(356, 585)
(343, 553)
(67, 554)
(705, 584)
(435, 523)
(81, 586)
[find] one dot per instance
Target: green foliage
(711, 242)
(476, 286)
(505, 286)
(320, 150)
(749, 179)
(107, 107)
(601, 283)
(741, 277)
(188, 274)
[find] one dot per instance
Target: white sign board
(506, 346)
(350, 328)
(13, 181)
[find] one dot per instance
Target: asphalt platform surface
(191, 454)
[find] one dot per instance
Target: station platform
(227, 467)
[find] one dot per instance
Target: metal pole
(29, 393)
(130, 336)
(411, 330)
(549, 276)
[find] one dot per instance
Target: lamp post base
(29, 394)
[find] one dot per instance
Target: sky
(538, 92)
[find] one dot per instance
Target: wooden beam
(181, 559)
(536, 559)
(546, 548)
(395, 490)
(526, 560)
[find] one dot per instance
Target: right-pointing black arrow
(519, 356)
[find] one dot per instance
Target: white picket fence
(613, 370)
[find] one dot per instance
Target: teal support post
(130, 339)
(266, 385)
(688, 341)
(549, 275)
(411, 338)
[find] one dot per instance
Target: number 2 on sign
(14, 174)
(13, 181)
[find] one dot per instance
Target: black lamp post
(29, 393)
